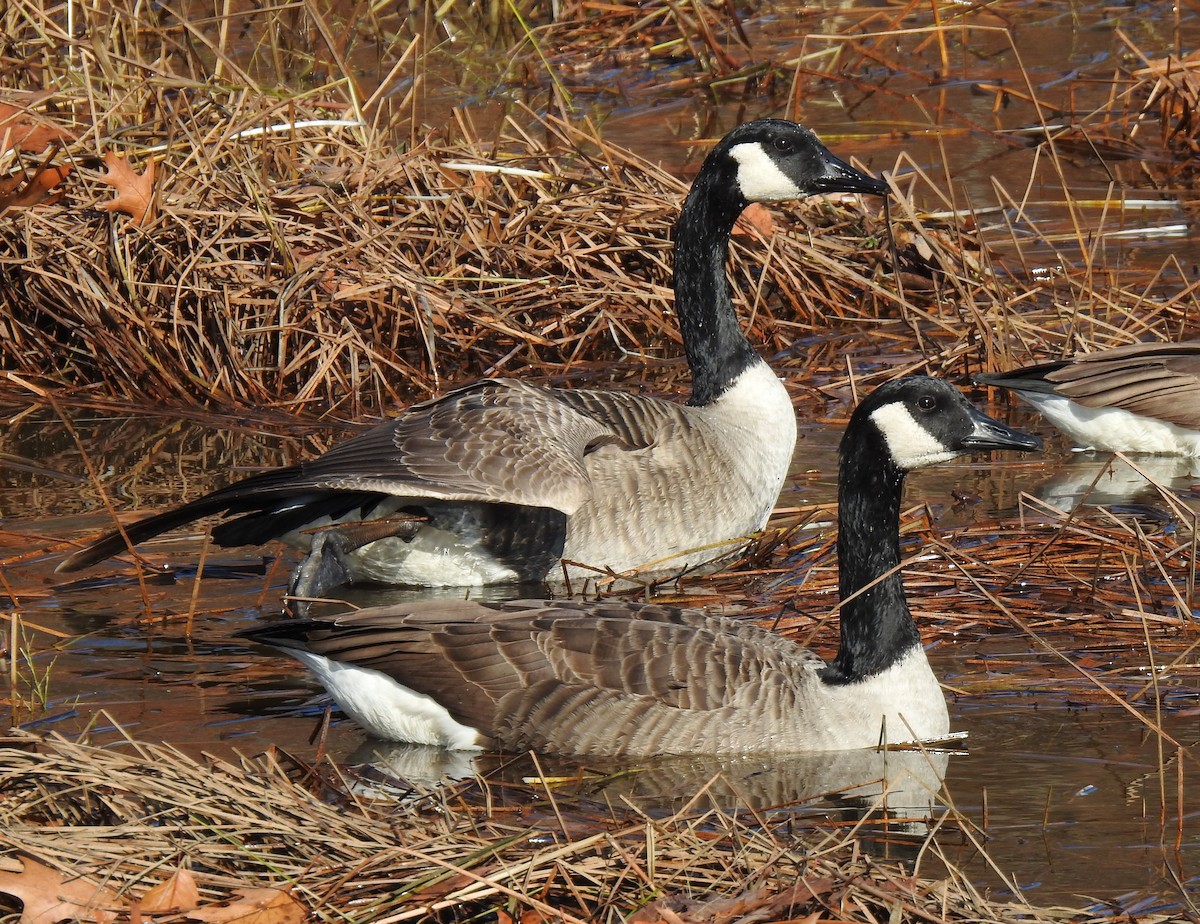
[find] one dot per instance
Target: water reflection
(1104, 479)
(1062, 794)
(1071, 801)
(1056, 790)
(897, 784)
(890, 798)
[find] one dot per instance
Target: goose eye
(926, 402)
(783, 145)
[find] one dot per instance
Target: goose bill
(991, 434)
(839, 176)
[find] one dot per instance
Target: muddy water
(1051, 785)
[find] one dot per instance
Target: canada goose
(615, 679)
(1137, 398)
(498, 481)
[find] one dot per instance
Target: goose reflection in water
(897, 786)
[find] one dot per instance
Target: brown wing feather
(498, 440)
(494, 440)
(1159, 380)
(567, 677)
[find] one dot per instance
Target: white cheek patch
(759, 177)
(911, 445)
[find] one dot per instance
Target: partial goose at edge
(618, 679)
(1136, 398)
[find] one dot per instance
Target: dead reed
(179, 229)
(112, 823)
(302, 266)
(310, 250)
(175, 237)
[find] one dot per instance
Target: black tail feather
(256, 496)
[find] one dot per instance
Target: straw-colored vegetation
(264, 838)
(353, 273)
(181, 225)
(191, 240)
(178, 230)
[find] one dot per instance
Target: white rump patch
(388, 709)
(434, 558)
(759, 176)
(911, 445)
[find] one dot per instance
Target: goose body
(1137, 398)
(619, 679)
(502, 481)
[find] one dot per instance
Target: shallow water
(1053, 784)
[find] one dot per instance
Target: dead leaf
(38, 189)
(757, 218)
(483, 184)
(179, 893)
(254, 906)
(26, 131)
(135, 191)
(759, 903)
(49, 896)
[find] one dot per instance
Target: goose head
(771, 160)
(768, 160)
(919, 421)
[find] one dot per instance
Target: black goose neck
(717, 349)
(877, 629)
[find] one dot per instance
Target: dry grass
(1153, 113)
(306, 249)
(302, 266)
(311, 251)
(296, 253)
(128, 814)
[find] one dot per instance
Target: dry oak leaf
(26, 132)
(135, 191)
(178, 893)
(755, 219)
(49, 896)
(17, 193)
(253, 906)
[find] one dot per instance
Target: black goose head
(904, 424)
(922, 421)
(774, 159)
(762, 161)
